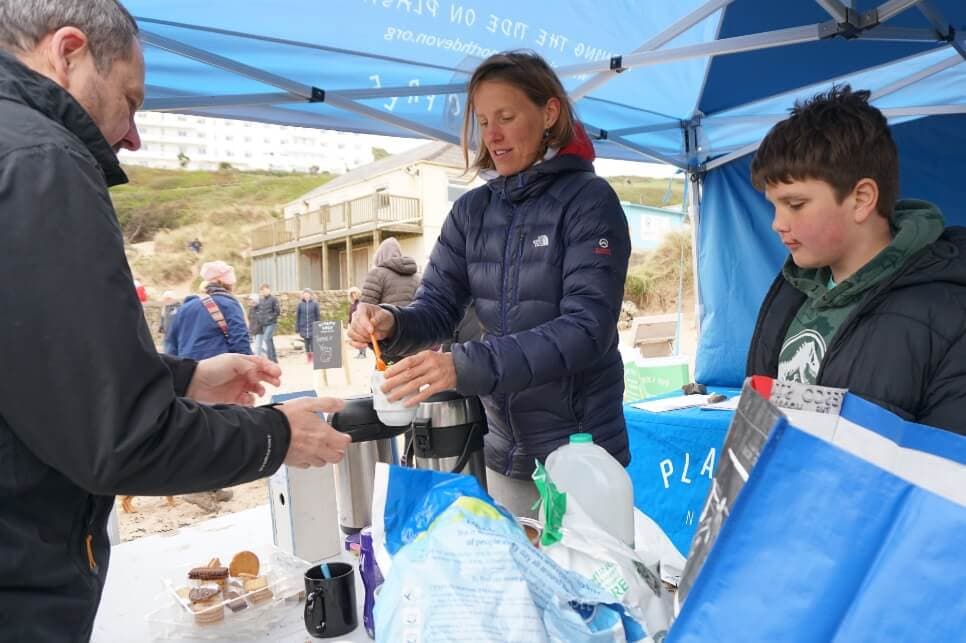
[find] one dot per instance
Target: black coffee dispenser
(372, 442)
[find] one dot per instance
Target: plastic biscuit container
(257, 603)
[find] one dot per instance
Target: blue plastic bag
(848, 529)
(463, 569)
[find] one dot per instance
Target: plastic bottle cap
(581, 438)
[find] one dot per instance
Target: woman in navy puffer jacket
(542, 251)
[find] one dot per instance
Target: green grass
(173, 207)
(646, 191)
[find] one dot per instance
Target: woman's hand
(370, 320)
(430, 371)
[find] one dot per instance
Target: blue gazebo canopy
(692, 83)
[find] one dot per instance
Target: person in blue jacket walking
(211, 324)
(306, 315)
(541, 250)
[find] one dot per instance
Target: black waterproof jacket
(543, 255)
(904, 345)
(88, 408)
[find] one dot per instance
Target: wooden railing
(377, 208)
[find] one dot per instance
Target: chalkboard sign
(327, 344)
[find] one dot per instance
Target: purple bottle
(371, 579)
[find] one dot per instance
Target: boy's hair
(532, 75)
(836, 137)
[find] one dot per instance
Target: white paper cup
(390, 413)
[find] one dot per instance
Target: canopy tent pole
(836, 9)
(924, 110)
(751, 42)
(659, 40)
(952, 61)
(627, 131)
(907, 34)
(936, 68)
(693, 180)
(942, 26)
(911, 79)
(358, 108)
(652, 155)
(192, 101)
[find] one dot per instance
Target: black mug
(330, 603)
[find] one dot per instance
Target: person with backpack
(213, 323)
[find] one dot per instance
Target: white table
(137, 567)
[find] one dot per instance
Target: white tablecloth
(137, 568)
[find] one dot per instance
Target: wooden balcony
(377, 211)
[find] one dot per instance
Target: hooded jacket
(306, 314)
(88, 408)
(393, 280)
(827, 304)
(902, 344)
(543, 255)
(194, 333)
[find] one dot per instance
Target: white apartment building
(173, 141)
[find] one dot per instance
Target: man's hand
(232, 379)
(313, 443)
(369, 319)
(434, 371)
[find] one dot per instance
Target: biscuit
(261, 596)
(255, 584)
(208, 612)
(244, 562)
(208, 573)
(234, 601)
(202, 594)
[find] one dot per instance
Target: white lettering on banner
(454, 105)
(460, 15)
(391, 105)
(414, 83)
(507, 26)
(467, 17)
(593, 54)
(708, 466)
(667, 468)
(689, 518)
(414, 7)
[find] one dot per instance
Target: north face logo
(541, 241)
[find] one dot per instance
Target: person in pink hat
(213, 323)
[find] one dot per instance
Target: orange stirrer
(380, 365)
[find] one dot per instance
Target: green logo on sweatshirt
(801, 357)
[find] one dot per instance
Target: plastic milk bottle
(602, 487)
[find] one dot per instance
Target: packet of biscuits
(214, 592)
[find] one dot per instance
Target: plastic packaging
(589, 474)
(464, 570)
(371, 580)
(172, 617)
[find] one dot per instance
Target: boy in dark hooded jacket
(873, 295)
